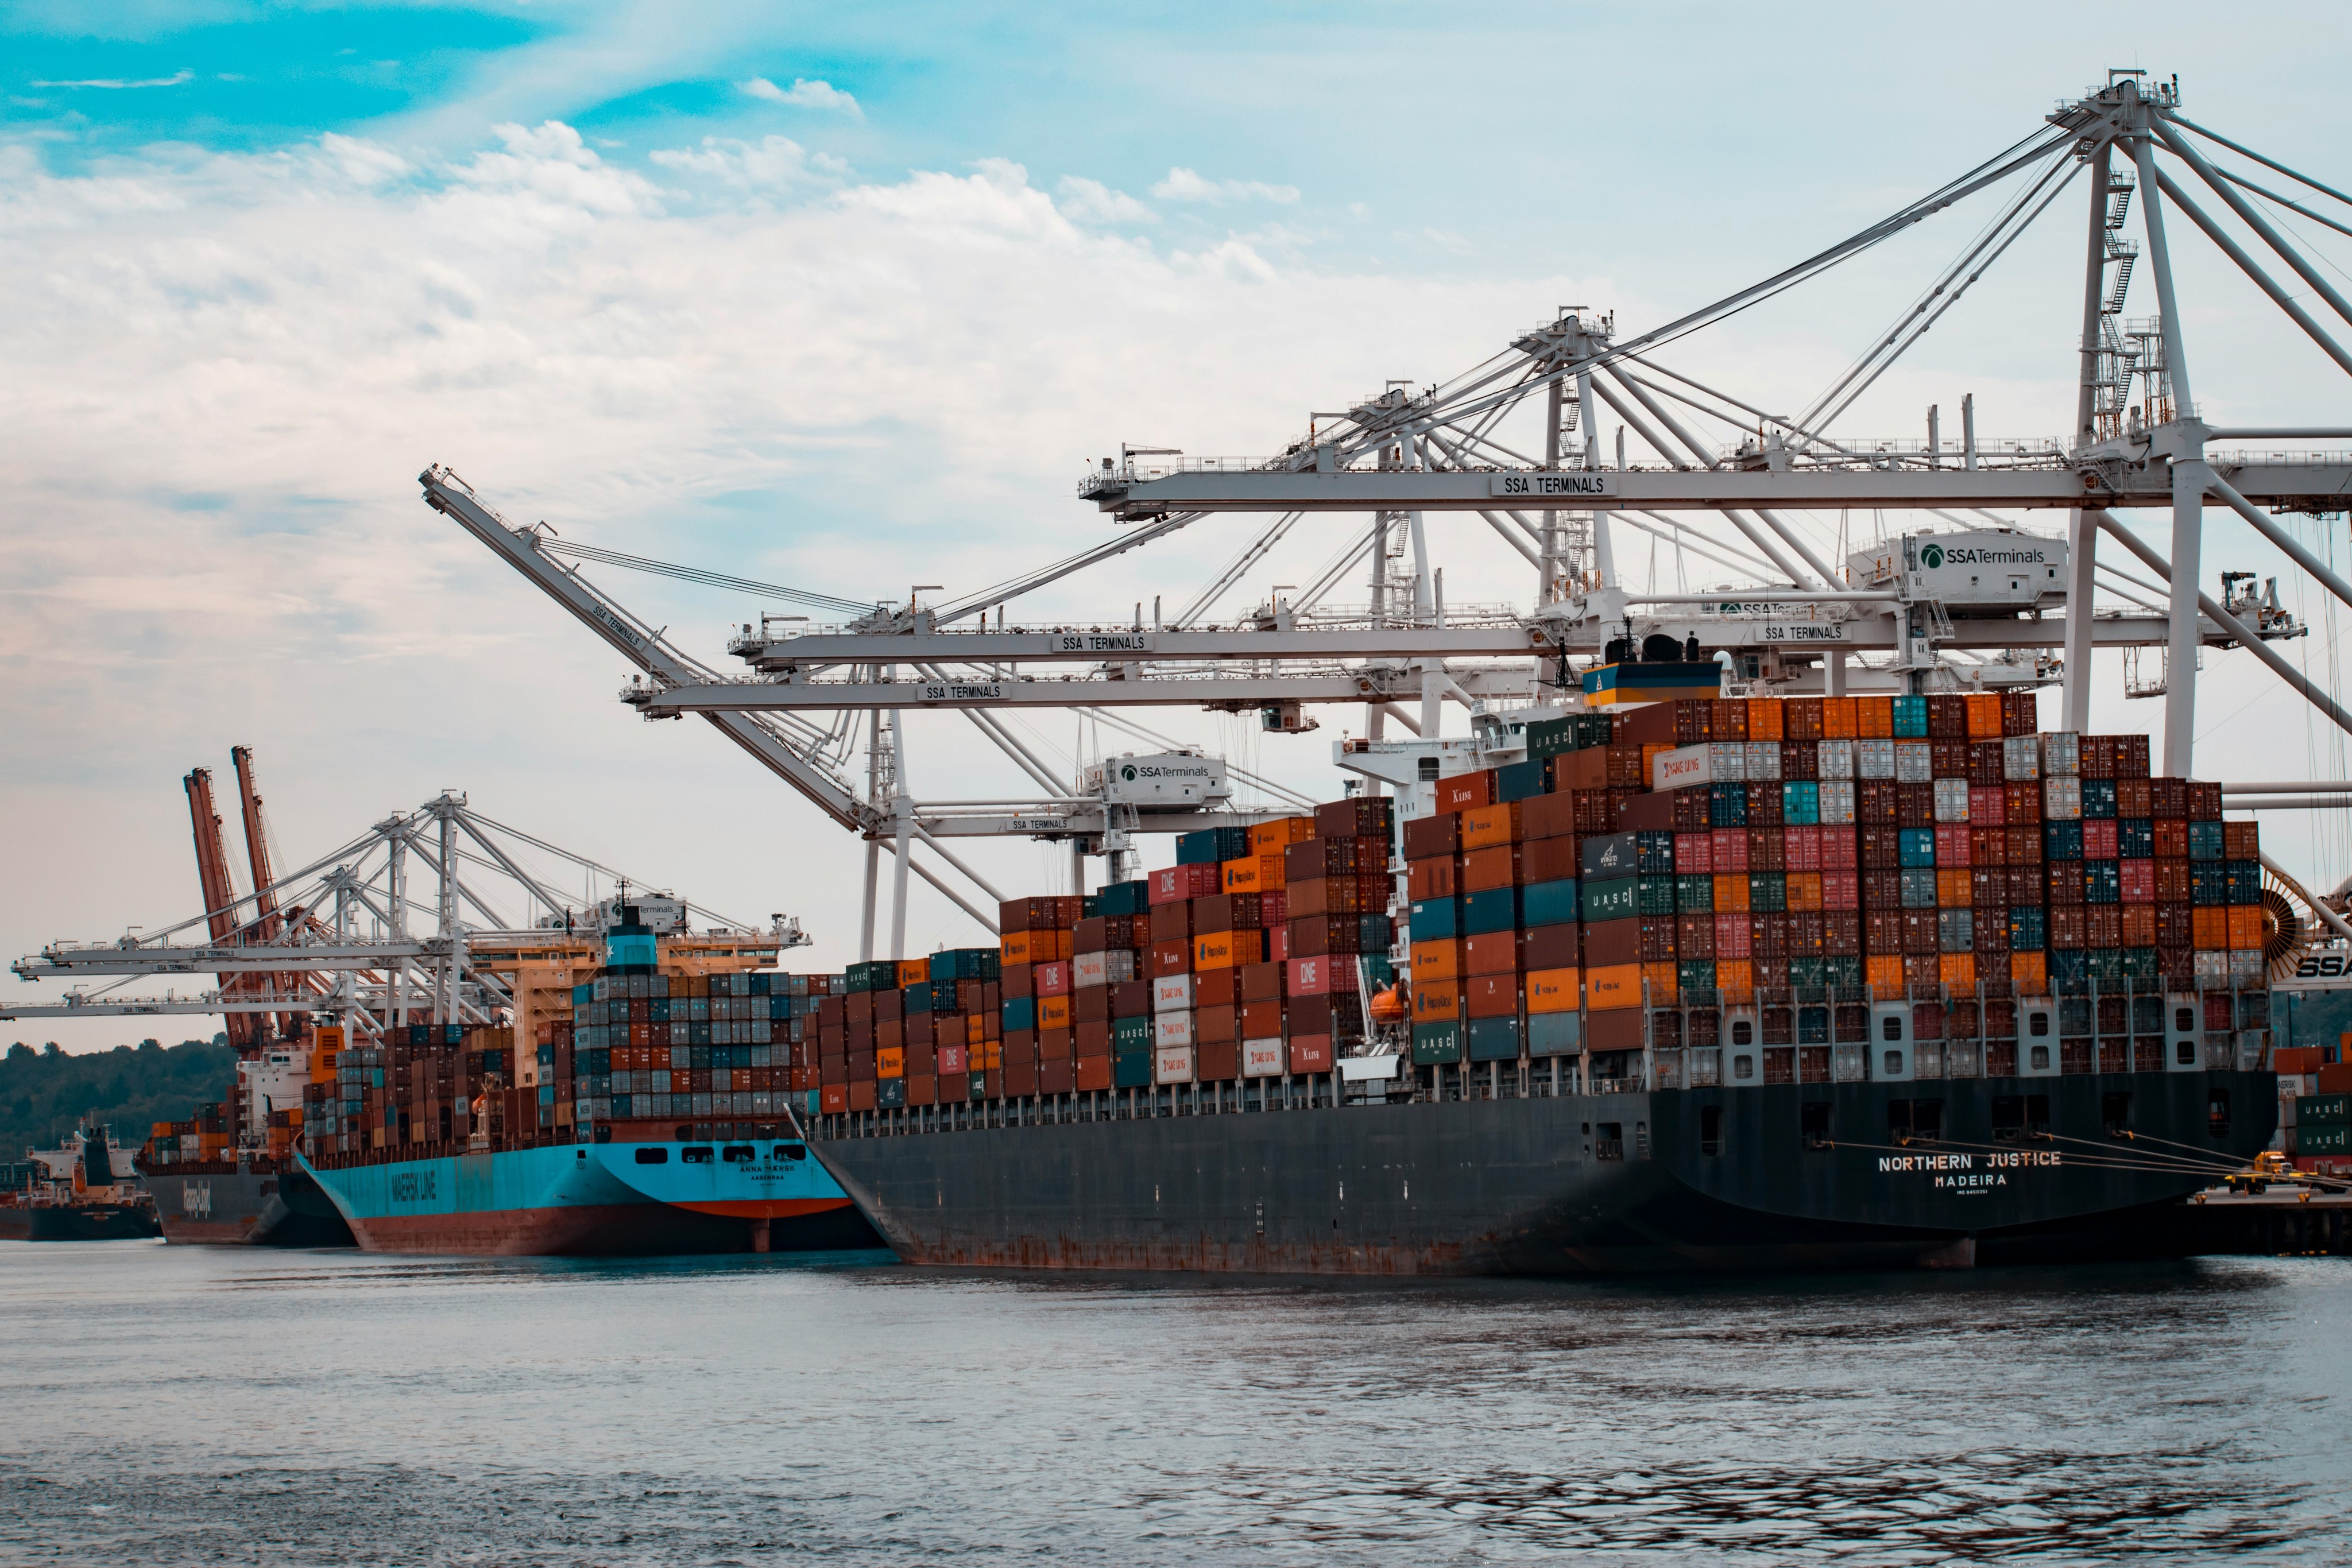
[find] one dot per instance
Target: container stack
(1709, 852)
(2314, 1087)
(916, 1033)
(659, 1050)
(1254, 937)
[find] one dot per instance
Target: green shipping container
(2322, 1109)
(1131, 1069)
(1436, 1044)
(1130, 1036)
(2321, 1140)
(1618, 898)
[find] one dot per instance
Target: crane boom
(219, 890)
(644, 648)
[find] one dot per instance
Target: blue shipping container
(1436, 920)
(1496, 909)
(1550, 903)
(1494, 1039)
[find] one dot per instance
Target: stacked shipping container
(1712, 852)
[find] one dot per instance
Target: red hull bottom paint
(235, 1232)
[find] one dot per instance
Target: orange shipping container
(1228, 950)
(2245, 926)
(1242, 875)
(1435, 1002)
(1054, 1012)
(1614, 985)
(1958, 970)
(1272, 838)
(1764, 714)
(890, 1062)
(1735, 977)
(1731, 892)
(913, 972)
(1837, 718)
(1554, 991)
(1804, 891)
(1661, 980)
(1984, 716)
(975, 1030)
(1491, 995)
(1486, 826)
(1883, 973)
(1953, 888)
(2208, 928)
(1436, 961)
(2030, 972)
(1874, 717)
(1034, 947)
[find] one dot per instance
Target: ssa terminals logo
(1127, 774)
(1932, 556)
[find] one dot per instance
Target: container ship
(84, 1190)
(1698, 983)
(649, 1118)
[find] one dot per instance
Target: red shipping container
(1052, 979)
(1732, 937)
(1321, 975)
(1695, 935)
(1310, 1053)
(1988, 887)
(1767, 849)
(2171, 838)
(1261, 1020)
(1555, 859)
(1919, 931)
(1802, 847)
(1426, 838)
(1439, 876)
(1549, 816)
(1841, 932)
(2068, 927)
(1731, 851)
(1694, 853)
(1952, 844)
(1882, 932)
(1170, 959)
(1838, 849)
(1988, 805)
(2099, 840)
(1841, 890)
(1491, 995)
(2172, 881)
(1485, 871)
(1466, 791)
(2139, 878)
(1174, 883)
(2062, 885)
(2025, 846)
(1805, 935)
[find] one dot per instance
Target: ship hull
(93, 1222)
(1530, 1186)
(247, 1209)
(594, 1201)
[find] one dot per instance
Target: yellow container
(1272, 838)
(1053, 1012)
(1243, 875)
(1484, 827)
(890, 1062)
(913, 971)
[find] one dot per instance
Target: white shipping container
(1763, 761)
(1264, 1058)
(2062, 755)
(1951, 800)
(2062, 799)
(1716, 762)
(1874, 759)
(1172, 1064)
(1089, 969)
(1169, 1031)
(1837, 803)
(2021, 758)
(2245, 966)
(1118, 966)
(2212, 968)
(1836, 758)
(1915, 763)
(1171, 994)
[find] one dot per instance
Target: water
(180, 1405)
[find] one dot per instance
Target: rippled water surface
(175, 1404)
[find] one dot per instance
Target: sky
(846, 298)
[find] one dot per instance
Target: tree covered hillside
(44, 1092)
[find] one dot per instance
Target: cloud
(119, 84)
(1184, 186)
(775, 163)
(1091, 201)
(803, 95)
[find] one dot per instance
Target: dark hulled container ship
(1709, 984)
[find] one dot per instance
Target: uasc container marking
(413, 1186)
